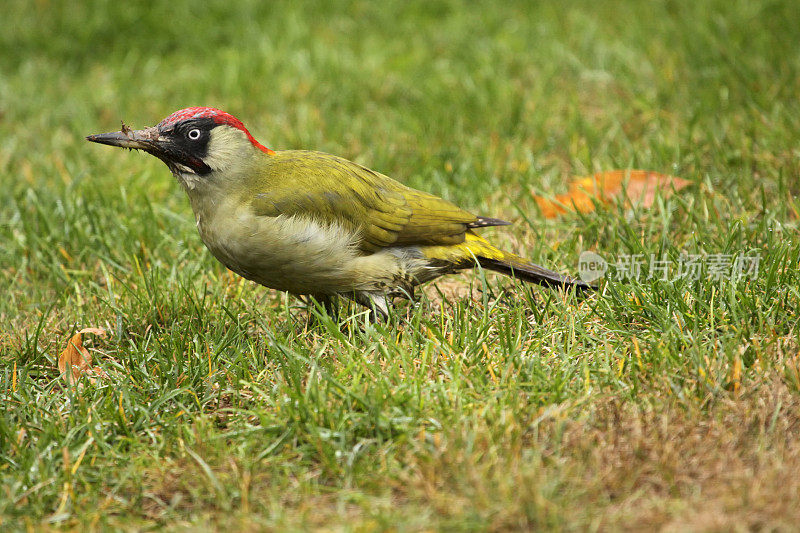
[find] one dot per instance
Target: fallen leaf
(638, 186)
(76, 360)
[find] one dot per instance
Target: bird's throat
(188, 179)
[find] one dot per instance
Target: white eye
(194, 134)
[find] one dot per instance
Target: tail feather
(455, 257)
(525, 271)
(485, 222)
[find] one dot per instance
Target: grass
(488, 405)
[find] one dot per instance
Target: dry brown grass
(723, 464)
(609, 465)
(733, 466)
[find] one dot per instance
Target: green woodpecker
(315, 224)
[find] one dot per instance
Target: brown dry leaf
(638, 186)
(78, 359)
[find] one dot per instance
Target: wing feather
(334, 190)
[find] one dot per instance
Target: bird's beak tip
(124, 139)
(116, 138)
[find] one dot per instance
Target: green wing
(383, 211)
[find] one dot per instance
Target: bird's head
(194, 143)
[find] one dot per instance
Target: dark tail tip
(485, 222)
(535, 274)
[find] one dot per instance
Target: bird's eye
(194, 134)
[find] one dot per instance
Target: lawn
(487, 405)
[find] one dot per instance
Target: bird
(316, 225)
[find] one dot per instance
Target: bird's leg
(408, 293)
(377, 304)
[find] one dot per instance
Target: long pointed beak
(149, 140)
(146, 139)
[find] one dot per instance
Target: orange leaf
(638, 186)
(77, 359)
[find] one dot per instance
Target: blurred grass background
(666, 404)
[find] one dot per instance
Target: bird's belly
(293, 254)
